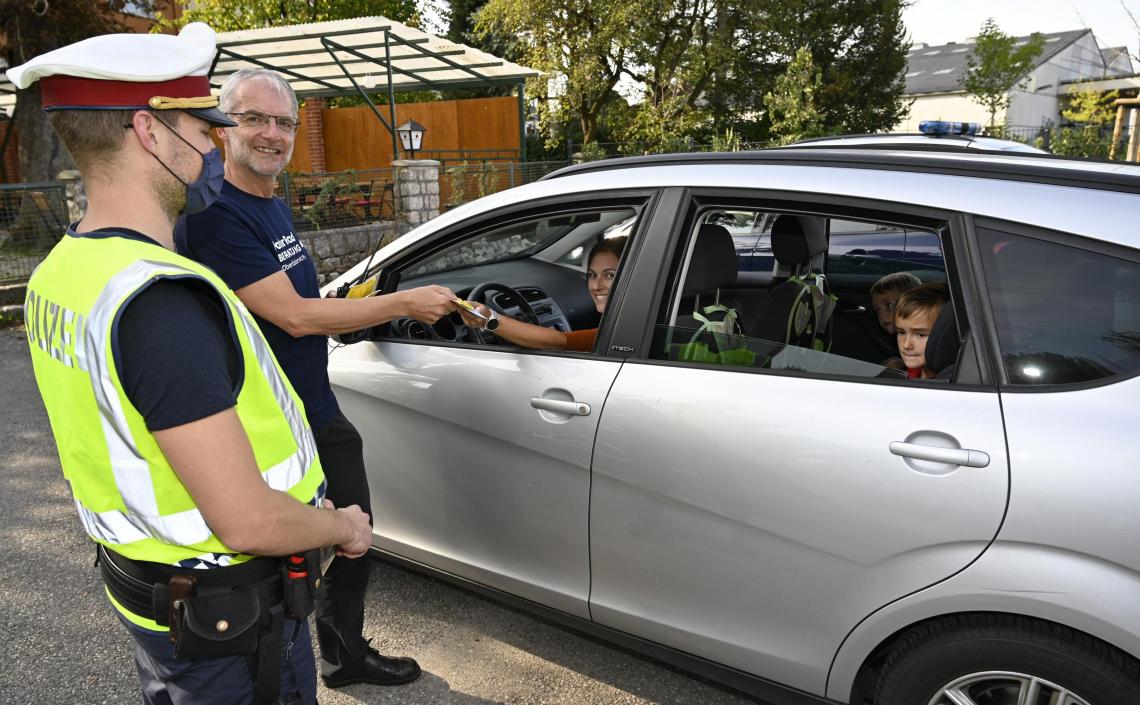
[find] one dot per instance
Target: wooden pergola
(1123, 105)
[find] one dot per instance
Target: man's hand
(362, 533)
(428, 303)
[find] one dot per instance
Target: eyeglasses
(258, 120)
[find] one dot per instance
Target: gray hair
(227, 101)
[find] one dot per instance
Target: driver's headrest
(798, 239)
(713, 264)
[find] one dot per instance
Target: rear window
(1064, 314)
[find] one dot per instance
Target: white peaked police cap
(129, 72)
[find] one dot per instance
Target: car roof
(1026, 167)
(907, 139)
(1091, 198)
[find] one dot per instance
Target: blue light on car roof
(942, 127)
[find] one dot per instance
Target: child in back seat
(885, 294)
(915, 313)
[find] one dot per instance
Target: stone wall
(335, 251)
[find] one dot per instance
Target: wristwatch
(492, 323)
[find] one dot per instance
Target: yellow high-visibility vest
(127, 496)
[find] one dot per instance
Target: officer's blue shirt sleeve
(224, 242)
(176, 353)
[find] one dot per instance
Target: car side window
(800, 315)
(533, 269)
(1063, 314)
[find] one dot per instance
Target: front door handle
(558, 406)
(950, 456)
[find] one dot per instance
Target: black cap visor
(213, 116)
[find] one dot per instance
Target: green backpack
(720, 339)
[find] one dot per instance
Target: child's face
(883, 304)
(912, 333)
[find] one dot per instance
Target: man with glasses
(247, 237)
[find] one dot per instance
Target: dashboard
(557, 294)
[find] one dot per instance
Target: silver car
(771, 502)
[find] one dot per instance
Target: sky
(938, 22)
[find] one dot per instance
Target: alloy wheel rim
(1004, 688)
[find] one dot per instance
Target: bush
(592, 152)
(1088, 141)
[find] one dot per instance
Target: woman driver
(601, 269)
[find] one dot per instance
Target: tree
(230, 15)
(858, 46)
(461, 29)
(680, 47)
(583, 46)
(31, 29)
(1089, 107)
(791, 103)
(1091, 112)
(997, 66)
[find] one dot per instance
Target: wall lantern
(411, 136)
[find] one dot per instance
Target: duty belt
(144, 588)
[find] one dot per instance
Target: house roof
(939, 69)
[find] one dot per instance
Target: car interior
(533, 269)
(752, 288)
(794, 289)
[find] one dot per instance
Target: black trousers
(340, 615)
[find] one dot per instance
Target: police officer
(185, 447)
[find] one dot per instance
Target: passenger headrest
(943, 342)
(714, 261)
(798, 239)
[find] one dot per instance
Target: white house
(934, 74)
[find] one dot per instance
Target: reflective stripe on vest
(131, 470)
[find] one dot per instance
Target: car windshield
(503, 243)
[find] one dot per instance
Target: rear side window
(1064, 314)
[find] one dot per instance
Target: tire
(991, 659)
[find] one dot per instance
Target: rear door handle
(558, 406)
(950, 456)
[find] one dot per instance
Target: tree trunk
(589, 123)
(42, 155)
(37, 226)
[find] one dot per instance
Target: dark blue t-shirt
(245, 238)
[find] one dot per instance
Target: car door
(478, 457)
(753, 514)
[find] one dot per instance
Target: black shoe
(376, 669)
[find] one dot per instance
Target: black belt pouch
(218, 624)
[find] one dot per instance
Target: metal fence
(1067, 140)
(341, 199)
(608, 150)
(463, 181)
(324, 200)
(33, 217)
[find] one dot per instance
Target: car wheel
(1004, 660)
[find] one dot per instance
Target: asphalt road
(60, 643)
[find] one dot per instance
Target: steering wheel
(526, 313)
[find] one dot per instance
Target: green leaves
(792, 103)
(229, 15)
(997, 66)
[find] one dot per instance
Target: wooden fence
(354, 139)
